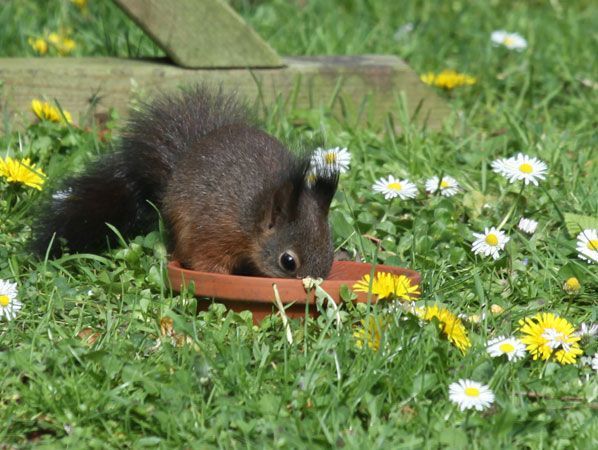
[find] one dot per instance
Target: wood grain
(362, 89)
(201, 33)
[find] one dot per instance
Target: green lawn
(86, 363)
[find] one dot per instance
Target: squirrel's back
(234, 199)
(118, 187)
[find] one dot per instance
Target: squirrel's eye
(288, 261)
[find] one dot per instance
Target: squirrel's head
(295, 235)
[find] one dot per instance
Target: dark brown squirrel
(234, 199)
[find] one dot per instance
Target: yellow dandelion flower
(66, 46)
(46, 111)
(548, 335)
(386, 284)
(81, 4)
(428, 78)
(448, 79)
(450, 325)
(39, 45)
(22, 172)
(61, 42)
(54, 38)
(572, 286)
(370, 332)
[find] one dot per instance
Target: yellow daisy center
(593, 245)
(526, 168)
(444, 184)
(491, 239)
(472, 392)
(508, 41)
(330, 158)
(396, 186)
(4, 300)
(506, 347)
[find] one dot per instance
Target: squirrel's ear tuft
(281, 203)
(323, 188)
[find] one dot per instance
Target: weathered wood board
(201, 33)
(367, 86)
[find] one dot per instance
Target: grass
(86, 363)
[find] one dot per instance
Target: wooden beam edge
(201, 34)
(311, 81)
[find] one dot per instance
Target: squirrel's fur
(234, 199)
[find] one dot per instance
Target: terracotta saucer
(256, 294)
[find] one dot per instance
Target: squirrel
(234, 199)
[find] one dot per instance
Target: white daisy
(587, 329)
(331, 160)
(587, 245)
(470, 394)
(510, 346)
(393, 187)
(9, 304)
(500, 166)
(490, 242)
(403, 31)
(556, 339)
(521, 167)
(448, 186)
(512, 41)
(527, 225)
(591, 361)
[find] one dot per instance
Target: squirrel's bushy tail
(118, 187)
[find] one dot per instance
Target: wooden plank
(201, 33)
(362, 86)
